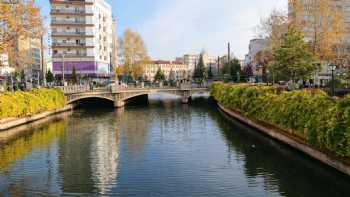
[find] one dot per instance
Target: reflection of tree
(74, 156)
(134, 124)
(40, 138)
(280, 168)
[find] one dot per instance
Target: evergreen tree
(200, 73)
(159, 75)
(293, 59)
(49, 76)
(210, 73)
(233, 68)
(74, 76)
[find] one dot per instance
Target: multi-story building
(255, 46)
(82, 37)
(4, 59)
(193, 59)
(305, 18)
(180, 70)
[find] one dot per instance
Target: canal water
(163, 149)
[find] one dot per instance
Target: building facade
(82, 37)
(305, 18)
(179, 69)
(255, 46)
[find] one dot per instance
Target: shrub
(20, 104)
(322, 121)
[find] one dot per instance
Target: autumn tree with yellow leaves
(322, 22)
(132, 51)
(19, 20)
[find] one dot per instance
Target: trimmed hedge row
(20, 104)
(322, 121)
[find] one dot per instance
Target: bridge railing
(74, 89)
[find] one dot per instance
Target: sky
(172, 28)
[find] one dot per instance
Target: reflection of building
(104, 157)
(180, 70)
(82, 37)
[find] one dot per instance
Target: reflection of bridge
(119, 95)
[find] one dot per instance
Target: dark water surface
(164, 149)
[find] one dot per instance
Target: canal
(163, 149)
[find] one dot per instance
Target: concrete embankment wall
(333, 161)
(15, 122)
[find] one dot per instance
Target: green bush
(322, 121)
(21, 104)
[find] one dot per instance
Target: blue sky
(172, 28)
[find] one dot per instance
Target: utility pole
(228, 52)
(43, 70)
(218, 65)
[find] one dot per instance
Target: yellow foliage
(20, 104)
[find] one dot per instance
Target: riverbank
(308, 121)
(11, 134)
(22, 107)
(338, 163)
(9, 123)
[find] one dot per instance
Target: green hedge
(322, 121)
(20, 104)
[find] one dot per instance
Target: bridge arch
(82, 98)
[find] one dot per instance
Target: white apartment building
(193, 59)
(82, 37)
(181, 71)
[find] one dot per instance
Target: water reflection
(164, 149)
(29, 162)
(277, 167)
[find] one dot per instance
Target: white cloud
(187, 26)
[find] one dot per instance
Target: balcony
(75, 2)
(65, 11)
(70, 22)
(70, 45)
(71, 33)
(70, 55)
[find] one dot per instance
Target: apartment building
(82, 37)
(323, 76)
(180, 70)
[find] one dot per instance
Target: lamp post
(267, 77)
(333, 67)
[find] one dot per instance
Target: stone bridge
(119, 95)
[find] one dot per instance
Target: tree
(262, 60)
(133, 53)
(293, 58)
(159, 75)
(19, 20)
(325, 26)
(210, 73)
(74, 77)
(232, 68)
(172, 76)
(49, 77)
(247, 71)
(273, 28)
(200, 72)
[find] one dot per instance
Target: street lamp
(333, 67)
(267, 77)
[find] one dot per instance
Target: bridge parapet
(74, 89)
